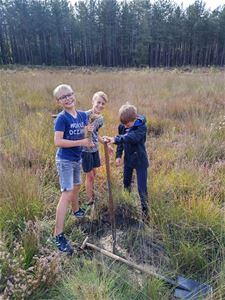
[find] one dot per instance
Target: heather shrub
(17, 281)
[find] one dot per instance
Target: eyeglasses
(64, 97)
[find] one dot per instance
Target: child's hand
(111, 140)
(108, 139)
(119, 162)
(87, 143)
(90, 128)
(105, 139)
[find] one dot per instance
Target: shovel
(185, 289)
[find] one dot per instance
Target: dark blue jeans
(141, 182)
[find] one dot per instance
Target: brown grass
(186, 134)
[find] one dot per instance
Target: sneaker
(80, 213)
(62, 244)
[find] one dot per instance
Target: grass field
(185, 112)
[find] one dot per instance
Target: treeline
(111, 33)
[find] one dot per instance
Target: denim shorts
(69, 174)
(90, 161)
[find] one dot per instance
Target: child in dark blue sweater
(131, 140)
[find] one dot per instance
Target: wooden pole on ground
(150, 271)
(185, 288)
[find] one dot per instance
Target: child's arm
(119, 150)
(59, 141)
(132, 137)
(119, 147)
(102, 141)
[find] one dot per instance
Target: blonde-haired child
(69, 138)
(90, 156)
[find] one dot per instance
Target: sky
(212, 4)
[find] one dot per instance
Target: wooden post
(148, 270)
(111, 205)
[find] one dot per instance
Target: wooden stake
(111, 205)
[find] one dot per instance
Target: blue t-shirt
(73, 128)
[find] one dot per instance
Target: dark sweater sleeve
(132, 137)
(119, 148)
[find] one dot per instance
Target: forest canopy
(111, 33)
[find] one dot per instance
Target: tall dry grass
(186, 133)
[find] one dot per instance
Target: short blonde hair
(127, 113)
(100, 94)
(60, 88)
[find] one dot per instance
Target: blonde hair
(61, 87)
(100, 94)
(127, 113)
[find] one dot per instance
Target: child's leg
(75, 196)
(90, 161)
(142, 187)
(76, 186)
(69, 179)
(127, 177)
(89, 184)
(61, 210)
(65, 171)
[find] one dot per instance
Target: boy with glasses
(69, 138)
